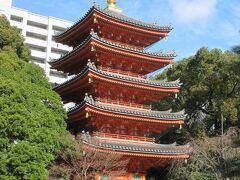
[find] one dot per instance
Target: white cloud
(191, 11)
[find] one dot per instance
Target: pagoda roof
(119, 17)
(159, 115)
(91, 67)
(94, 36)
(137, 148)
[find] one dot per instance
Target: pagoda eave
(129, 117)
(92, 46)
(129, 52)
(92, 119)
(89, 110)
(75, 93)
(69, 35)
(136, 148)
(155, 89)
(126, 25)
(134, 154)
(159, 30)
(92, 74)
(95, 14)
(143, 160)
(89, 106)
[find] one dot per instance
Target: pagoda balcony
(124, 104)
(123, 137)
(121, 72)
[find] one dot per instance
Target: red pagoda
(109, 65)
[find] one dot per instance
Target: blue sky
(197, 23)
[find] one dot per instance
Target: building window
(57, 29)
(16, 18)
(36, 36)
(58, 51)
(36, 48)
(36, 24)
(37, 60)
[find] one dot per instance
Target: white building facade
(38, 32)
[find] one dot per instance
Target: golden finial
(111, 3)
(112, 6)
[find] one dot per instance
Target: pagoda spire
(111, 3)
(112, 6)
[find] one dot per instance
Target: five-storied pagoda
(112, 92)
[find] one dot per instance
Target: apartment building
(38, 32)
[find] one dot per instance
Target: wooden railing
(121, 72)
(122, 103)
(123, 137)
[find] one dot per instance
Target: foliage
(10, 39)
(31, 114)
(236, 49)
(172, 135)
(209, 92)
(212, 158)
(210, 96)
(83, 162)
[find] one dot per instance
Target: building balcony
(60, 46)
(37, 30)
(38, 54)
(55, 56)
(53, 79)
(37, 21)
(37, 42)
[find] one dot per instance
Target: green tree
(209, 92)
(10, 39)
(31, 114)
(236, 49)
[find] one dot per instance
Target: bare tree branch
(90, 163)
